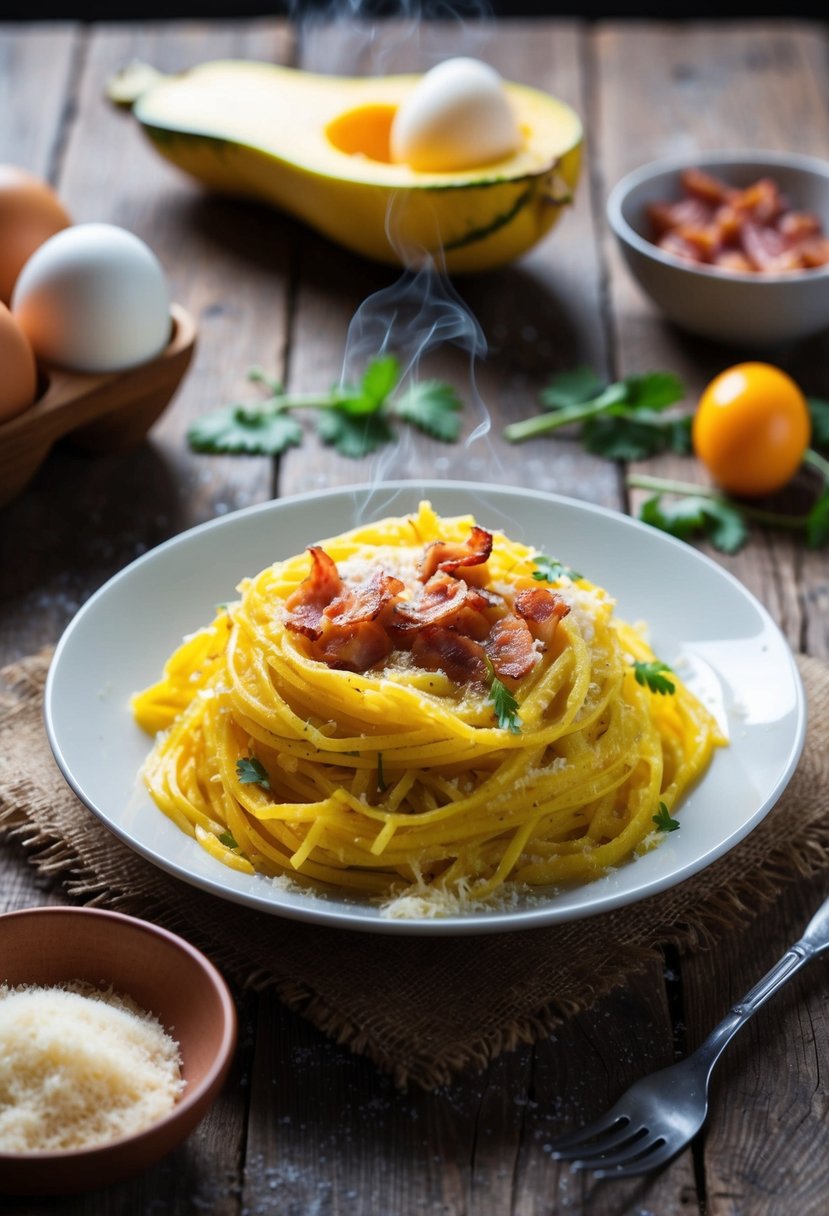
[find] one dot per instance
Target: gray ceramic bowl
(163, 974)
(750, 310)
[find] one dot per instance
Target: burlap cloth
(421, 1008)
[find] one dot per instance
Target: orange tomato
(751, 429)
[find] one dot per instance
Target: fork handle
(712, 1048)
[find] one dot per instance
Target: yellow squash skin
(294, 139)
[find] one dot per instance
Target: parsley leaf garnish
(621, 421)
(651, 675)
(355, 419)
(244, 430)
(228, 840)
(550, 570)
(353, 435)
(819, 414)
(503, 702)
(433, 407)
(664, 821)
(637, 438)
(251, 771)
(723, 522)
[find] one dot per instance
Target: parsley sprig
(652, 675)
(686, 510)
(504, 703)
(251, 771)
(550, 569)
(620, 421)
(663, 820)
(355, 419)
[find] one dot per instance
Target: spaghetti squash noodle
(419, 707)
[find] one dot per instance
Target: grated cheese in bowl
(80, 1067)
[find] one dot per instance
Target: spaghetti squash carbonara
(418, 708)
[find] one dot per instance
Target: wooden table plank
(92, 516)
(303, 1125)
(710, 87)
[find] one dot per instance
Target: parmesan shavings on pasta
(80, 1067)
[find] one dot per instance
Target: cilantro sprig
(355, 419)
(504, 703)
(687, 511)
(620, 421)
(550, 569)
(663, 820)
(652, 675)
(251, 771)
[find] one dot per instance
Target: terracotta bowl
(748, 310)
(165, 976)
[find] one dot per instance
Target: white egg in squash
(458, 116)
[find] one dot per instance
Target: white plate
(702, 621)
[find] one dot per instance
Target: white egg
(93, 298)
(456, 117)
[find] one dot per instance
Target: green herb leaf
(380, 378)
(433, 407)
(579, 398)
(245, 430)
(819, 413)
(620, 437)
(652, 391)
(664, 821)
(550, 570)
(503, 702)
(351, 418)
(651, 675)
(817, 522)
(694, 515)
(227, 839)
(251, 771)
(353, 436)
(571, 388)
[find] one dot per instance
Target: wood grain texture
(303, 1126)
(727, 87)
(711, 87)
(226, 263)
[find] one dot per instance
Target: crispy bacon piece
(443, 601)
(511, 648)
(306, 605)
(439, 649)
(701, 185)
(747, 230)
(542, 610)
(364, 602)
(357, 646)
(453, 555)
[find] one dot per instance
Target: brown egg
(18, 382)
(30, 212)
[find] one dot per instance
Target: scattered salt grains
(80, 1067)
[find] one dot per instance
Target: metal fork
(663, 1112)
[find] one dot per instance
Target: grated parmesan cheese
(80, 1067)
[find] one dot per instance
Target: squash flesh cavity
(317, 146)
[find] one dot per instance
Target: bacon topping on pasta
(443, 622)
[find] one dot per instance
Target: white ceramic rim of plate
(602, 895)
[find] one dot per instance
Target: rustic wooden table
(303, 1126)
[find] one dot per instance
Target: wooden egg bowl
(99, 412)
